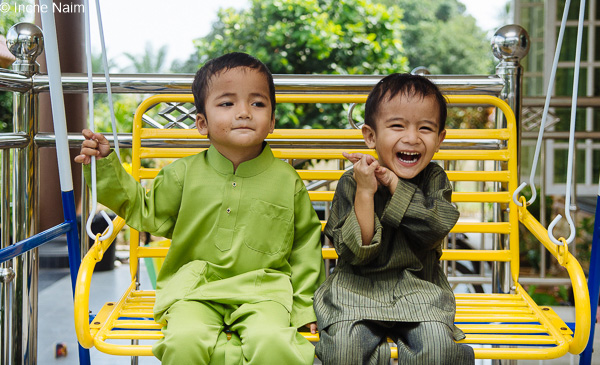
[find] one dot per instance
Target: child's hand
(387, 178)
(95, 144)
(383, 175)
(364, 171)
(313, 327)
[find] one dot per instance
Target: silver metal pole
(25, 41)
(284, 84)
(510, 44)
(6, 272)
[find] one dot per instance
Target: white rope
(56, 98)
(88, 51)
(538, 145)
(571, 137)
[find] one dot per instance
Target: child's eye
(428, 129)
(226, 103)
(259, 104)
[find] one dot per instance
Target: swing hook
(350, 119)
(515, 196)
(91, 219)
(571, 227)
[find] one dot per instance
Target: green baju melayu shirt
(237, 237)
(398, 276)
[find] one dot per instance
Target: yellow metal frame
(511, 313)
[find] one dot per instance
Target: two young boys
(225, 269)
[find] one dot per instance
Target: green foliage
(440, 36)
(470, 117)
(549, 296)
(149, 62)
(124, 105)
(311, 36)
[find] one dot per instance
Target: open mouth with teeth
(408, 157)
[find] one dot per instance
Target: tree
(149, 62)
(440, 36)
(311, 36)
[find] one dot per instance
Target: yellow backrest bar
(506, 156)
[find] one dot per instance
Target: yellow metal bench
(500, 326)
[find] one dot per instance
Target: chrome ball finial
(26, 42)
(510, 43)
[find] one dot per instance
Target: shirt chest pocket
(269, 229)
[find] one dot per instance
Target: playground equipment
(508, 293)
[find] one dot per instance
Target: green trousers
(261, 334)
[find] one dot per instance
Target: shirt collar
(246, 169)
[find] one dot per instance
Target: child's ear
(201, 124)
(272, 126)
(441, 138)
(369, 136)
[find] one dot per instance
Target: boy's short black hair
(226, 62)
(408, 85)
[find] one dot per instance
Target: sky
(129, 25)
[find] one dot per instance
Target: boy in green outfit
(388, 219)
(245, 256)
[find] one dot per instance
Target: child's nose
(410, 137)
(244, 113)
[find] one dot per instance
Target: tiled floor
(56, 319)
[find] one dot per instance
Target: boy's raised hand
(95, 144)
(387, 178)
(383, 175)
(364, 171)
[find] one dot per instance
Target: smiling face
(238, 113)
(406, 134)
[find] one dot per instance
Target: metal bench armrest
(578, 280)
(82, 287)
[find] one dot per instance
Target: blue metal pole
(593, 284)
(32, 242)
(62, 148)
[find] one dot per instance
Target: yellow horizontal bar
(476, 255)
(492, 176)
(507, 318)
(143, 293)
(490, 302)
(475, 155)
(320, 174)
(486, 297)
(134, 335)
(146, 152)
(510, 340)
(192, 133)
(321, 196)
(481, 227)
(501, 328)
(481, 197)
(157, 133)
(123, 350)
(449, 255)
(152, 251)
(501, 176)
(314, 153)
(133, 324)
(493, 310)
(501, 134)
